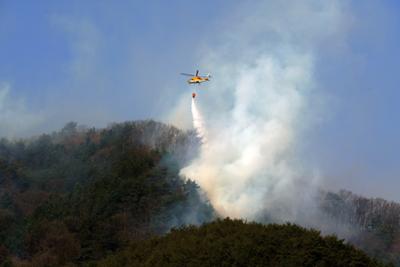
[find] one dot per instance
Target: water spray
(198, 123)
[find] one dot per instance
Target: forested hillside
(236, 243)
(376, 222)
(76, 196)
(80, 194)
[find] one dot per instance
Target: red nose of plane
(194, 95)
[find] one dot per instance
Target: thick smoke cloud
(257, 107)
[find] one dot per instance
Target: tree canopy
(237, 243)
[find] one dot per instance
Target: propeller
(187, 74)
(197, 75)
(206, 76)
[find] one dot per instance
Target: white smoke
(245, 161)
(256, 108)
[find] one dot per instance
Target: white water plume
(198, 123)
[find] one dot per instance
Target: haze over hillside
(79, 194)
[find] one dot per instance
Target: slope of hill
(79, 194)
(236, 243)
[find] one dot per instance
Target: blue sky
(98, 54)
(97, 62)
(361, 136)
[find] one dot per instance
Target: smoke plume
(257, 107)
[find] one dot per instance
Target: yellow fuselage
(197, 79)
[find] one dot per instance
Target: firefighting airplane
(197, 79)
